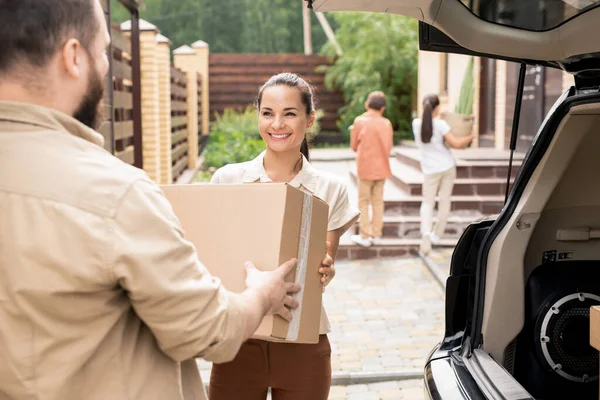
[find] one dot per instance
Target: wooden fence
(235, 79)
(119, 128)
(179, 122)
(122, 97)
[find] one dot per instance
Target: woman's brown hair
(430, 102)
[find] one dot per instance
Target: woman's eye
(290, 114)
(266, 113)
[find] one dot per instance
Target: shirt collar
(30, 114)
(307, 177)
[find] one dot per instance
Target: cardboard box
(266, 224)
(595, 327)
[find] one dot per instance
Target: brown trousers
(370, 193)
(292, 371)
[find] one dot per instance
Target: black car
(521, 285)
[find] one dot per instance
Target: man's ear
(72, 58)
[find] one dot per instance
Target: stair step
(389, 242)
(408, 226)
(386, 248)
(470, 163)
(408, 181)
(399, 202)
(410, 205)
(469, 218)
(390, 189)
(411, 179)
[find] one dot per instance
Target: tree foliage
(380, 53)
(230, 26)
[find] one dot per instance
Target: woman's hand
(327, 269)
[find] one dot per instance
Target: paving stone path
(386, 314)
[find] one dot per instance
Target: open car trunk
(520, 287)
(559, 33)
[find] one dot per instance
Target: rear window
(533, 15)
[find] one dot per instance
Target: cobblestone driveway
(386, 314)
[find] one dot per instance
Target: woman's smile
(279, 136)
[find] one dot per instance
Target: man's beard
(90, 112)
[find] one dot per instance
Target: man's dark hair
(32, 31)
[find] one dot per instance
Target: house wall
(429, 79)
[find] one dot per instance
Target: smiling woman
(286, 112)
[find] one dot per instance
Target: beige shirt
(101, 296)
(323, 185)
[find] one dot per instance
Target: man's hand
(273, 289)
(327, 269)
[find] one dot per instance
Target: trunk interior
(542, 273)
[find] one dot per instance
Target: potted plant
(462, 120)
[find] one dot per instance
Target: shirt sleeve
(444, 127)
(189, 312)
(216, 178)
(341, 214)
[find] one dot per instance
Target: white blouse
(324, 185)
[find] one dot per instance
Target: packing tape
(294, 327)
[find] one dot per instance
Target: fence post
(186, 59)
(203, 52)
(150, 99)
(164, 103)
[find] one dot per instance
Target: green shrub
(229, 148)
(234, 121)
(234, 138)
(202, 176)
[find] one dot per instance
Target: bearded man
(101, 296)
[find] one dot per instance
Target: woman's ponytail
(429, 104)
(427, 123)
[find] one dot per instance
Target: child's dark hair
(376, 100)
(430, 102)
(306, 95)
